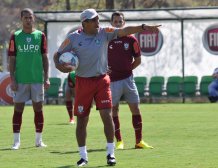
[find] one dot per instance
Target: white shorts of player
(25, 92)
(126, 88)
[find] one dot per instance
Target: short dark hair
(26, 10)
(117, 13)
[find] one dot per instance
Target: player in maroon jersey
(123, 56)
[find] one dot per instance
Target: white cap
(215, 71)
(88, 14)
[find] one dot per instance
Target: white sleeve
(111, 33)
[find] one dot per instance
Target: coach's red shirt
(120, 57)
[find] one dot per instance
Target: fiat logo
(150, 43)
(210, 39)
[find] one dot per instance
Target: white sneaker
(72, 121)
(16, 146)
(41, 145)
(38, 140)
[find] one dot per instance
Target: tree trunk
(109, 4)
(133, 4)
(68, 5)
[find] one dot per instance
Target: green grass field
(183, 136)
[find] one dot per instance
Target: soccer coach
(92, 82)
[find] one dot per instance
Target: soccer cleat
(72, 121)
(16, 146)
(143, 145)
(120, 145)
(111, 160)
(213, 99)
(82, 162)
(41, 145)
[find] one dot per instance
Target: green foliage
(10, 9)
(183, 136)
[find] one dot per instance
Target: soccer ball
(69, 59)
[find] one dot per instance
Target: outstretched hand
(154, 29)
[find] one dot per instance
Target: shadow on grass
(63, 153)
(21, 148)
(68, 166)
(131, 149)
(71, 152)
(62, 124)
(71, 166)
(5, 149)
(89, 151)
(99, 166)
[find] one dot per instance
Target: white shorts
(67, 88)
(126, 88)
(25, 92)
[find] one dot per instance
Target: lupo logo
(28, 48)
(150, 43)
(210, 39)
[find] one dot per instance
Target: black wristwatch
(143, 26)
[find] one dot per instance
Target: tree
(10, 9)
(10, 17)
(68, 7)
(212, 3)
(109, 4)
